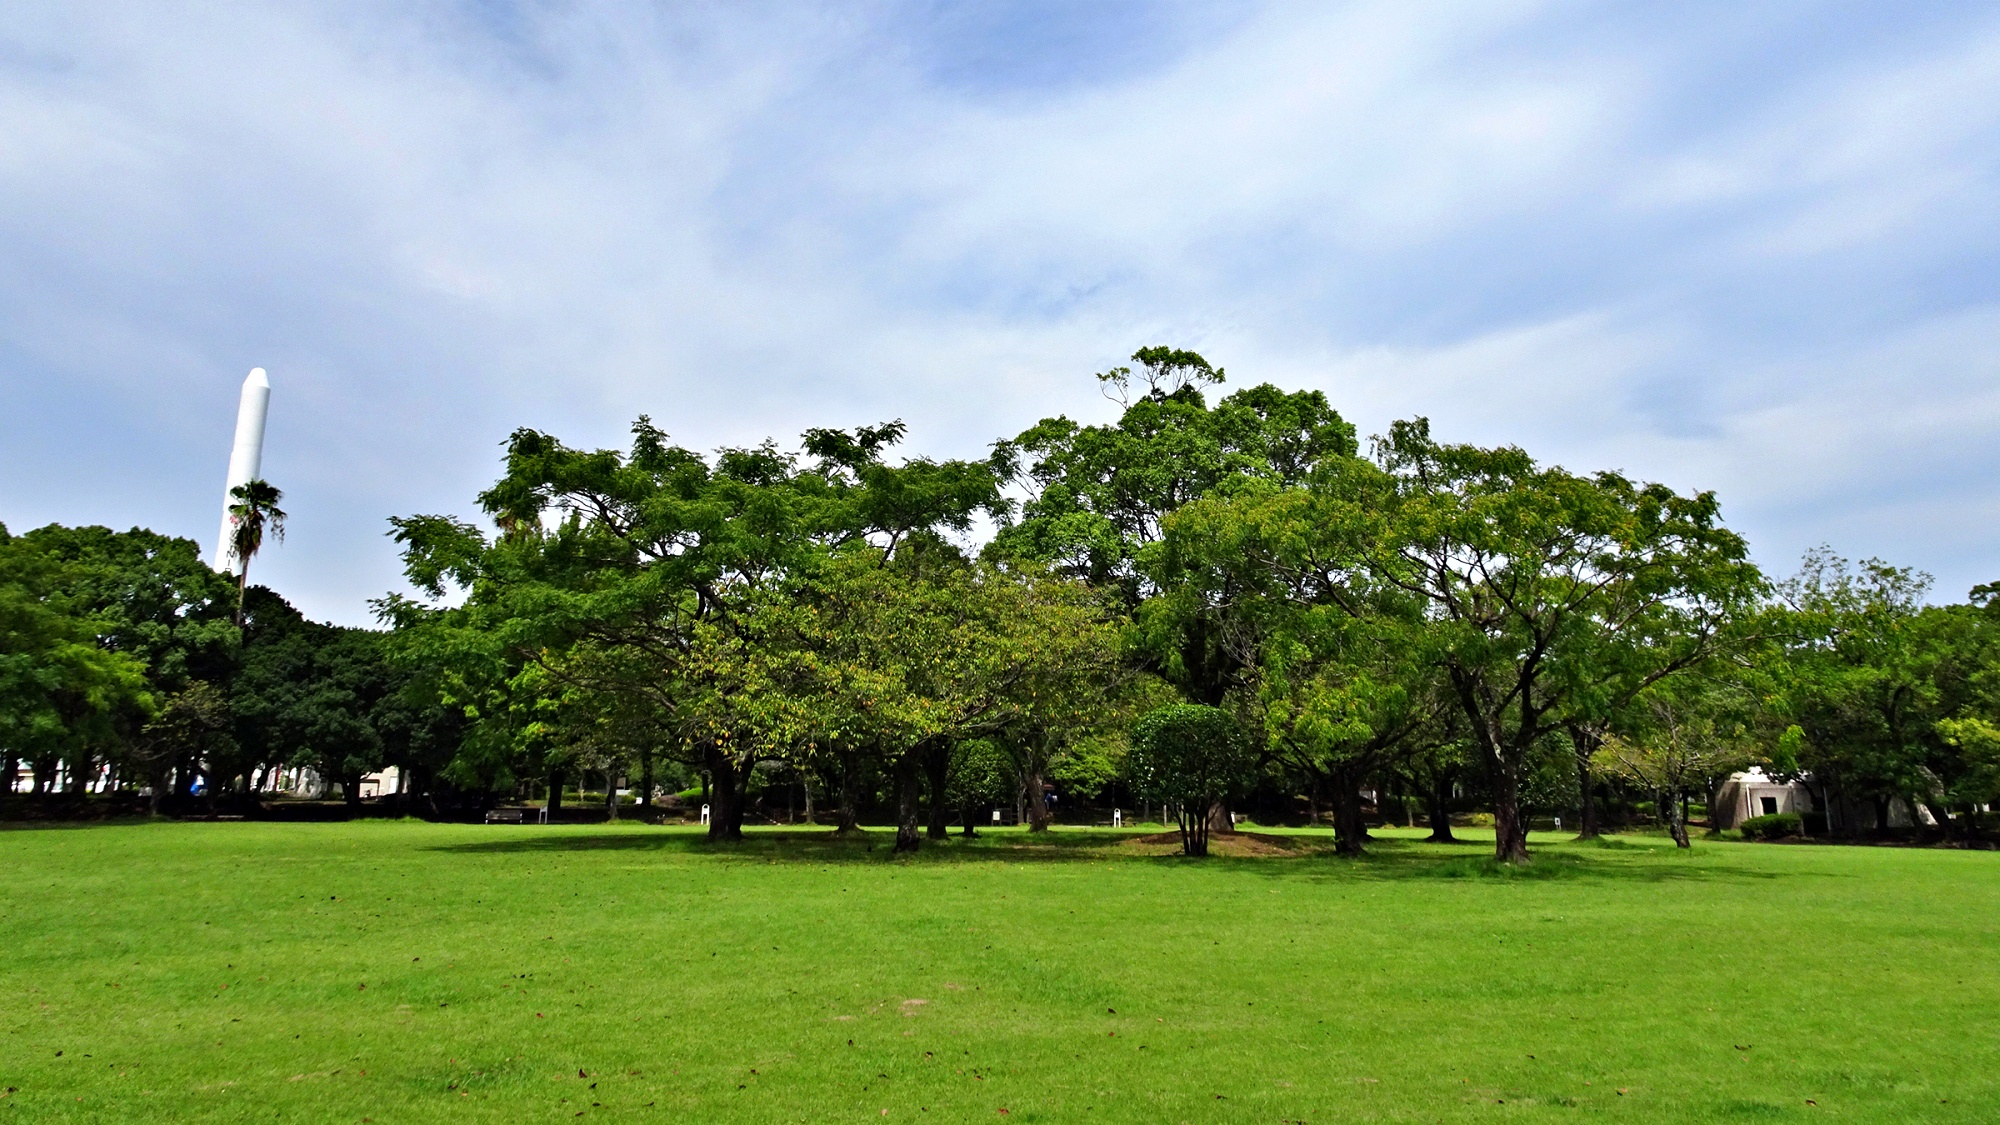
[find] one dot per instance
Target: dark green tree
(64, 696)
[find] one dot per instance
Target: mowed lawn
(410, 972)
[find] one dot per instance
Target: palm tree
(256, 508)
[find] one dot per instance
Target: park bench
(503, 816)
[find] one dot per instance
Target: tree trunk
(1676, 819)
(1195, 822)
(1882, 814)
(554, 801)
(909, 801)
(1440, 811)
(610, 796)
(10, 774)
(1584, 743)
(1510, 832)
(937, 767)
(806, 786)
(1349, 833)
(1038, 805)
(725, 816)
(969, 812)
(849, 819)
(646, 782)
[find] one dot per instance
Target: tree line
(1206, 606)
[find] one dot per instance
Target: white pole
(246, 458)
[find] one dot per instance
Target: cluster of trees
(1884, 698)
(127, 663)
(1204, 602)
(1213, 606)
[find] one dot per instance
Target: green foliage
(981, 776)
(145, 595)
(1087, 767)
(1191, 757)
(329, 698)
(1682, 739)
(1890, 697)
(760, 607)
(63, 696)
(1557, 599)
(1097, 495)
(1772, 826)
(253, 511)
(1433, 619)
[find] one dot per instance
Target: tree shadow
(1280, 856)
(802, 845)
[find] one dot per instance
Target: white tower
(246, 459)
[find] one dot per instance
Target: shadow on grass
(1289, 856)
(77, 825)
(808, 845)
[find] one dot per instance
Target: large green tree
(1343, 680)
(1550, 592)
(1095, 498)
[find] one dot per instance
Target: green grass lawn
(409, 972)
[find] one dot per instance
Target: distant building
(1754, 793)
(383, 784)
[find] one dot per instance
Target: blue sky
(1749, 248)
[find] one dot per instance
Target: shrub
(1775, 826)
(1190, 756)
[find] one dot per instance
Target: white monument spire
(246, 458)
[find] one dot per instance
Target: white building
(1754, 793)
(383, 784)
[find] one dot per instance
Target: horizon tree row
(1200, 604)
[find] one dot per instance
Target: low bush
(1775, 826)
